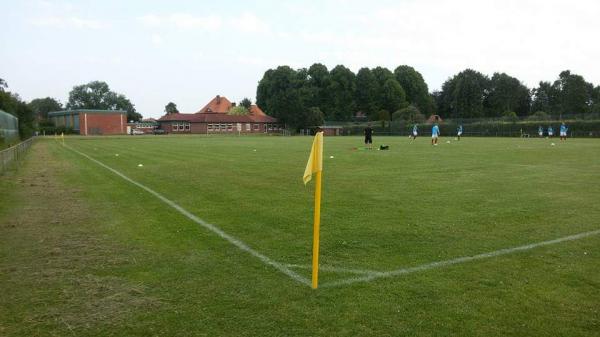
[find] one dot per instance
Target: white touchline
(439, 264)
(241, 245)
(336, 269)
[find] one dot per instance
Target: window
(223, 127)
(256, 127)
(174, 126)
(229, 127)
(210, 127)
(187, 126)
(247, 126)
(181, 127)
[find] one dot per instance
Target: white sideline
(336, 269)
(445, 263)
(241, 245)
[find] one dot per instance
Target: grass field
(84, 252)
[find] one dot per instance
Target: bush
(410, 114)
(539, 116)
(510, 116)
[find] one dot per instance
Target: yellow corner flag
(315, 166)
(315, 160)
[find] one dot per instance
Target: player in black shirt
(369, 137)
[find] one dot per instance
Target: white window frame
(256, 127)
(188, 126)
(248, 127)
(174, 126)
(229, 126)
(210, 127)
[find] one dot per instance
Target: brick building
(214, 118)
(91, 122)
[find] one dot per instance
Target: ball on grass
(447, 142)
(552, 144)
(331, 157)
(140, 165)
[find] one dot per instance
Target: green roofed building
(9, 129)
(91, 122)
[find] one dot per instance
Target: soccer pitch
(483, 236)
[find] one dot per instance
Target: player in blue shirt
(563, 131)
(459, 131)
(550, 131)
(541, 131)
(435, 133)
(415, 132)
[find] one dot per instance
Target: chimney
(218, 99)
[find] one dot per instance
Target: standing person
(459, 131)
(415, 132)
(541, 131)
(563, 131)
(435, 133)
(369, 136)
(550, 131)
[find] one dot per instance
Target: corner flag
(315, 166)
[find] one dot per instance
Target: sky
(186, 52)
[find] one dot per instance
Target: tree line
(305, 97)
(33, 115)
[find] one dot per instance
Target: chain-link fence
(12, 155)
(481, 127)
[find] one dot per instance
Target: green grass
(162, 274)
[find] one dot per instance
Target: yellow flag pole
(317, 223)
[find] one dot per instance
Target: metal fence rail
(13, 154)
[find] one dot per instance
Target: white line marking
(336, 269)
(464, 259)
(266, 260)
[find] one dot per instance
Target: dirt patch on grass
(57, 266)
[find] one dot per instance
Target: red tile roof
(217, 118)
(216, 112)
(219, 104)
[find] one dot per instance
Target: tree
(97, 95)
(312, 117)
(462, 96)
(410, 114)
(341, 90)
(246, 103)
(506, 94)
(41, 106)
(595, 108)
(316, 90)
(393, 96)
(366, 92)
(415, 87)
(574, 93)
(12, 103)
(279, 95)
(238, 111)
(3, 85)
(544, 98)
(171, 108)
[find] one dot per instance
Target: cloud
(246, 22)
(182, 21)
(156, 40)
(249, 23)
(67, 22)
